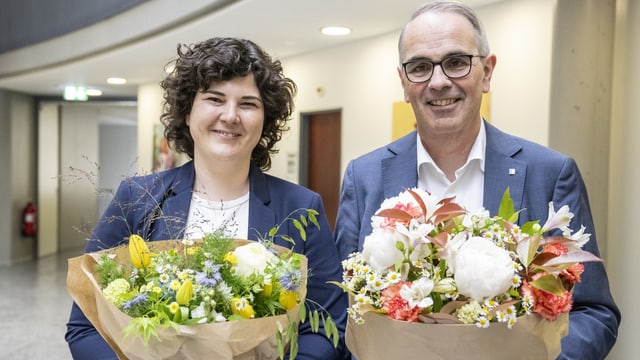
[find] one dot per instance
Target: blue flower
(210, 276)
(138, 299)
(291, 281)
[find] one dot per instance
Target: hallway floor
(34, 308)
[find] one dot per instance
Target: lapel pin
(512, 171)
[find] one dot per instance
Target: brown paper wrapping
(381, 337)
(240, 340)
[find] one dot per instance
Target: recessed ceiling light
(336, 30)
(116, 81)
(94, 92)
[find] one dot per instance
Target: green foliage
(421, 245)
(108, 270)
(305, 216)
(143, 325)
(151, 298)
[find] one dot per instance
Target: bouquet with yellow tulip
(155, 292)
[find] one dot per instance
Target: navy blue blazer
(541, 175)
(156, 207)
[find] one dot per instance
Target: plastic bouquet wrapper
(189, 318)
(435, 281)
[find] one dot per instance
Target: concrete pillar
(580, 104)
(624, 173)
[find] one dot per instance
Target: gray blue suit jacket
(541, 175)
(156, 207)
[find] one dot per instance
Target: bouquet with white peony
(215, 297)
(429, 261)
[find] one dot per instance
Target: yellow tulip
(139, 252)
(288, 299)
(185, 293)
(267, 286)
(241, 306)
(267, 289)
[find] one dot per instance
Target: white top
(206, 216)
(468, 187)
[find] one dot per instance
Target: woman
(226, 105)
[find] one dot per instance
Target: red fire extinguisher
(29, 220)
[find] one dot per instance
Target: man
(445, 67)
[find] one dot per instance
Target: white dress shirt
(469, 182)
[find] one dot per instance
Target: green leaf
(398, 264)
(273, 232)
(291, 329)
(331, 330)
(527, 249)
(550, 284)
(304, 221)
(506, 208)
(314, 321)
(288, 239)
(528, 227)
(279, 342)
(177, 317)
(293, 351)
(142, 326)
(313, 217)
(437, 302)
(303, 312)
(344, 288)
(301, 230)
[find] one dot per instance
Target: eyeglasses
(454, 67)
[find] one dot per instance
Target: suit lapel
(502, 170)
(175, 204)
(399, 171)
(261, 216)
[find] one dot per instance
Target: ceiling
(138, 43)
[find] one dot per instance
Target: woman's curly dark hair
(220, 59)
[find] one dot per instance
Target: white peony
(482, 269)
(252, 258)
(380, 250)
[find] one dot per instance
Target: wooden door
(320, 146)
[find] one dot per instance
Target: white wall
(79, 174)
(48, 178)
(22, 173)
(362, 80)
(149, 110)
(521, 35)
(118, 149)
